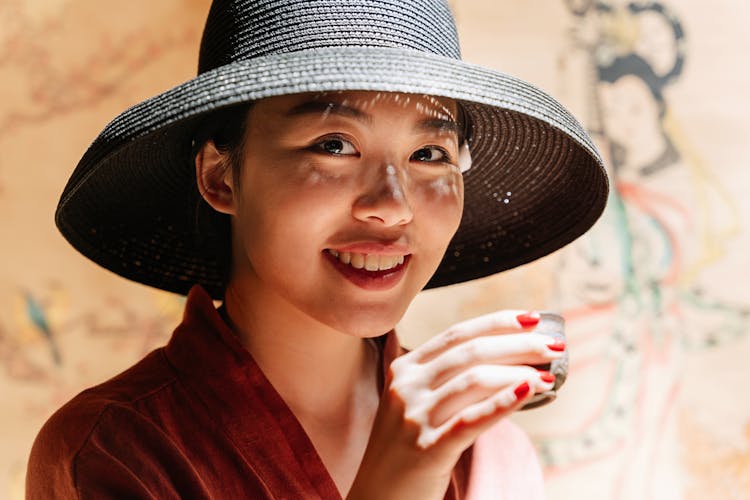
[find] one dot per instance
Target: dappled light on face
(394, 186)
(429, 106)
(391, 144)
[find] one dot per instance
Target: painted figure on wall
(633, 284)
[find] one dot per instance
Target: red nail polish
(546, 376)
(557, 345)
(522, 390)
(527, 320)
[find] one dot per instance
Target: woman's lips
(369, 280)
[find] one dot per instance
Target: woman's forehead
(362, 104)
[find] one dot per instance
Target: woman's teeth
(368, 261)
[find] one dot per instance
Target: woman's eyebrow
(326, 108)
(438, 124)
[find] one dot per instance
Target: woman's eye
(337, 146)
(429, 154)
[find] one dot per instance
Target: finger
(496, 323)
(474, 419)
(510, 349)
(479, 383)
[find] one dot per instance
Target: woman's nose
(385, 201)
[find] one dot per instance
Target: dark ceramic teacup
(551, 324)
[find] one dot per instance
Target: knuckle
(464, 354)
(400, 386)
(471, 350)
(399, 397)
(475, 377)
(395, 392)
(470, 379)
(398, 366)
(417, 413)
(453, 334)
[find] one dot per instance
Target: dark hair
(226, 129)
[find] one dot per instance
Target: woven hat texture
(536, 183)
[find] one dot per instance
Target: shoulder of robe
(51, 467)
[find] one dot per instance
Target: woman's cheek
(443, 193)
(444, 188)
(440, 203)
(320, 175)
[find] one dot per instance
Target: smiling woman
(376, 180)
(340, 176)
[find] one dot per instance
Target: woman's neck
(328, 379)
(319, 372)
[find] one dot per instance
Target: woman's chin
(367, 324)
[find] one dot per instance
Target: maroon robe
(198, 419)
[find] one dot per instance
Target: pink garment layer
(198, 419)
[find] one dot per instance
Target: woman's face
(346, 203)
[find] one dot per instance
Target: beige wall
(656, 297)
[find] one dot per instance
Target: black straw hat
(536, 183)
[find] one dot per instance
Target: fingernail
(557, 345)
(522, 390)
(528, 320)
(546, 376)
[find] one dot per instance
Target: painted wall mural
(656, 297)
(670, 219)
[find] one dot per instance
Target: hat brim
(536, 183)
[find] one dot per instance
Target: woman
(343, 159)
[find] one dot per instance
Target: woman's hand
(439, 397)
